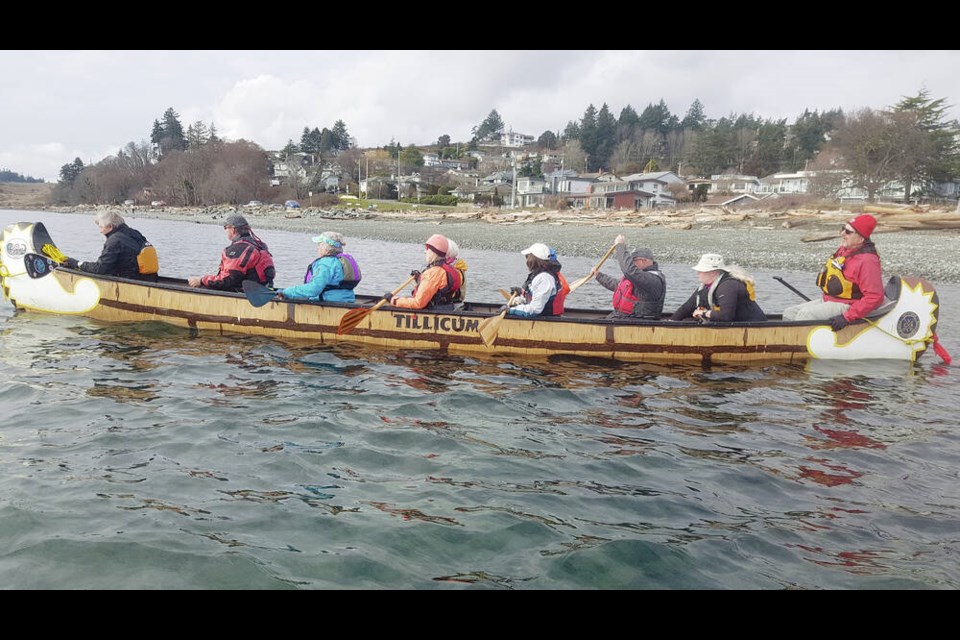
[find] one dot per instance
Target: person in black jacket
(120, 253)
(725, 294)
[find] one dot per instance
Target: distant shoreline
(759, 240)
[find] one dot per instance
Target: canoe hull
(902, 334)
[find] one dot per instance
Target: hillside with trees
(913, 142)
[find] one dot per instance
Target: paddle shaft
(791, 287)
(582, 281)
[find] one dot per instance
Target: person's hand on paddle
(516, 294)
(838, 322)
(387, 297)
(416, 275)
(620, 239)
(70, 263)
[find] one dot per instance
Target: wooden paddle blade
(352, 318)
(258, 294)
(489, 328)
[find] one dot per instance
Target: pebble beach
(755, 241)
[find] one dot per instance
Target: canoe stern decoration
(900, 334)
(31, 280)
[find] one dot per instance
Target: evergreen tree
(172, 137)
(290, 149)
(696, 119)
(341, 139)
(548, 140)
(934, 155)
(588, 137)
(606, 136)
(70, 172)
(491, 126)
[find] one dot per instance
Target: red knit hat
(864, 224)
(438, 244)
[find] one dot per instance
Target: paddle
(791, 287)
(53, 252)
(582, 281)
(352, 318)
(504, 293)
(490, 327)
(37, 265)
(258, 294)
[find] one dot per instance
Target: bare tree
(870, 151)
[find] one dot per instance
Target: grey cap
(642, 252)
(236, 221)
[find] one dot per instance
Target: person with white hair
(725, 294)
(458, 263)
(126, 252)
(331, 277)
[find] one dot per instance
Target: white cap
(710, 262)
(538, 249)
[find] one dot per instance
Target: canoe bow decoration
(903, 333)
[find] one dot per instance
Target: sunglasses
(846, 230)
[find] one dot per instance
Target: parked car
(291, 204)
(254, 203)
(158, 203)
(128, 202)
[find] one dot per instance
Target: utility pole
(513, 194)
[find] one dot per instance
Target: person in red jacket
(247, 258)
(851, 280)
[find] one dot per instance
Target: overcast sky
(59, 105)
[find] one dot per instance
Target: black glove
(415, 274)
(70, 263)
(388, 296)
(838, 322)
(516, 291)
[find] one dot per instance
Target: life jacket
(561, 297)
(445, 295)
(627, 303)
(147, 261)
(832, 281)
(263, 260)
(351, 273)
(461, 267)
(552, 308)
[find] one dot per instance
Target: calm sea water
(139, 457)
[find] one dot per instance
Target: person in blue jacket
(332, 277)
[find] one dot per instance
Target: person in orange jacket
(437, 283)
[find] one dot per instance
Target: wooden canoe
(903, 333)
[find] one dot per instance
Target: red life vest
(623, 298)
